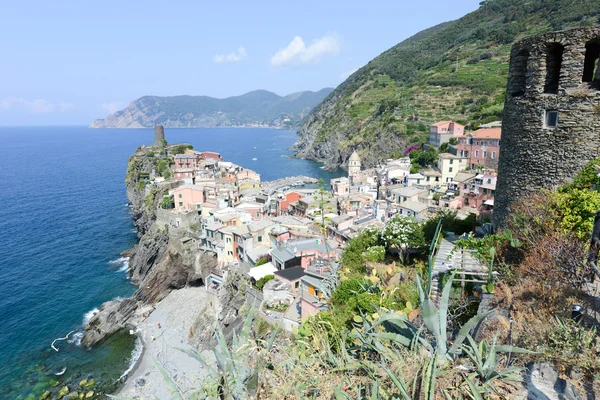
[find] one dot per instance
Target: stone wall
(547, 74)
(177, 221)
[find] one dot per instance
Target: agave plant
(235, 376)
(485, 361)
(436, 322)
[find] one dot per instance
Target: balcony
(318, 268)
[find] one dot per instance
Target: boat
(61, 372)
(254, 159)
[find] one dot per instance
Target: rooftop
(487, 133)
(414, 206)
(188, 156)
(449, 156)
(189, 186)
(408, 191)
(291, 274)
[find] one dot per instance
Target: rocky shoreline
(169, 279)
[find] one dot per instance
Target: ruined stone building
(159, 136)
(551, 121)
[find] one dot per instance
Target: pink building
(481, 147)
(441, 132)
(247, 174)
(206, 155)
(185, 173)
(188, 197)
(185, 161)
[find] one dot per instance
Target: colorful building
(441, 132)
(481, 147)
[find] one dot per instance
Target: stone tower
(353, 165)
(551, 124)
(159, 136)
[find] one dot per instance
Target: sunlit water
(63, 224)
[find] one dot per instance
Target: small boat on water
(254, 159)
(61, 372)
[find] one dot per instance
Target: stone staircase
(462, 262)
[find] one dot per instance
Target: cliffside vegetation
(453, 71)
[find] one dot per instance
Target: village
(288, 235)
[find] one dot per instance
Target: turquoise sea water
(64, 222)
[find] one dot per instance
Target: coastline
(176, 313)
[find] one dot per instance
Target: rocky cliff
(257, 108)
(158, 263)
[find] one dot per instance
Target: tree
(404, 234)
(181, 148)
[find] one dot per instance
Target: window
(297, 284)
(180, 195)
(489, 180)
(554, 55)
(470, 141)
(229, 253)
(476, 153)
(257, 214)
(489, 142)
(450, 169)
(590, 67)
(465, 186)
(228, 240)
(551, 119)
(484, 154)
(198, 206)
(260, 238)
(457, 129)
(180, 204)
(493, 155)
(451, 161)
(518, 73)
(484, 191)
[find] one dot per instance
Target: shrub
(181, 148)
(263, 260)
(262, 281)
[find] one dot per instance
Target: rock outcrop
(158, 263)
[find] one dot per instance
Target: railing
(430, 258)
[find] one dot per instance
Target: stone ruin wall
(549, 72)
(159, 136)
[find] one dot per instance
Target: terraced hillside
(456, 70)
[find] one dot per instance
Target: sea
(64, 222)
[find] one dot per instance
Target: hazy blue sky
(68, 62)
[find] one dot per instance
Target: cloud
(112, 107)
(235, 56)
(62, 107)
(33, 106)
(297, 52)
(344, 75)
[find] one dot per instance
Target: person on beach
(159, 325)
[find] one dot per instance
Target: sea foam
(121, 263)
(135, 356)
(77, 336)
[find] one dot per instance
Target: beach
(176, 314)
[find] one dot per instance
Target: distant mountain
(257, 108)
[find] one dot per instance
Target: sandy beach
(176, 313)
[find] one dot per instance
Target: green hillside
(456, 70)
(259, 107)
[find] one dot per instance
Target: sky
(69, 62)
